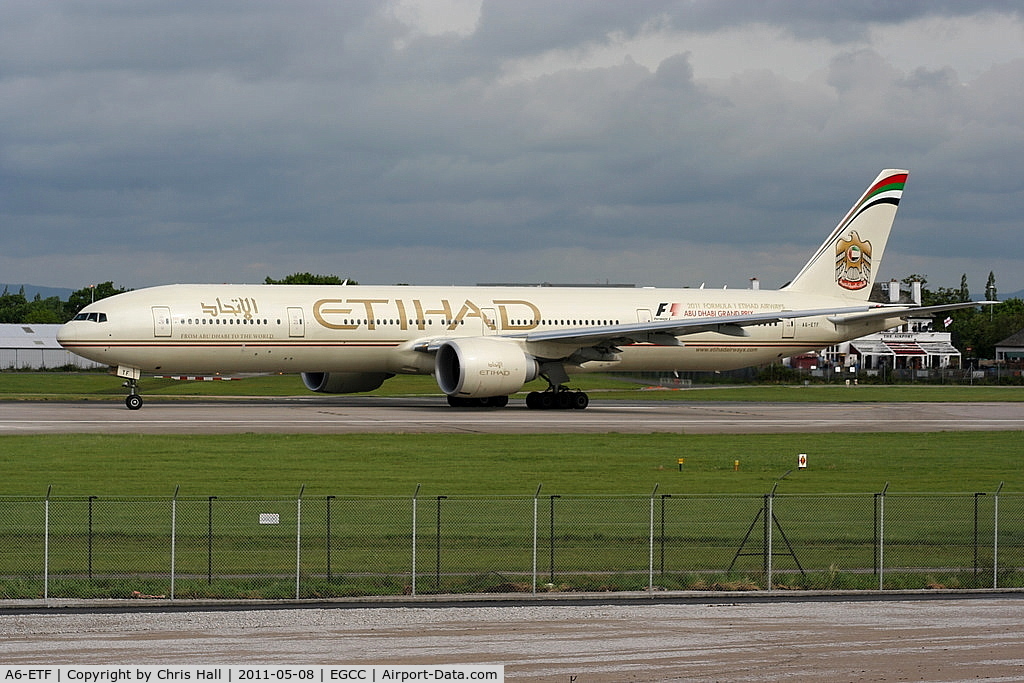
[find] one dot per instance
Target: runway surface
(432, 415)
(916, 639)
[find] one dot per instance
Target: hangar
(35, 347)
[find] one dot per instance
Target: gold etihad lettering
(241, 306)
(511, 309)
(368, 304)
(421, 323)
(340, 314)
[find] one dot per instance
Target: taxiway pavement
(432, 415)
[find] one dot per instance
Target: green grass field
(494, 465)
(601, 482)
(487, 465)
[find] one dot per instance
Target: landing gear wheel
(561, 399)
(133, 401)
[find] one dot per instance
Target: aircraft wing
(903, 311)
(665, 331)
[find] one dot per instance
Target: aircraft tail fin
(846, 263)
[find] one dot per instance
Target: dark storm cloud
(528, 26)
(151, 141)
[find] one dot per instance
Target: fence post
(328, 539)
(91, 499)
(415, 496)
(995, 539)
(976, 567)
(768, 536)
(209, 540)
(551, 565)
(174, 531)
(298, 540)
(881, 535)
(46, 544)
(535, 497)
(650, 558)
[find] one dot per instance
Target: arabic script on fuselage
(244, 307)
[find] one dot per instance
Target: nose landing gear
(133, 401)
(131, 376)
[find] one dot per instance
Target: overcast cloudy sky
(653, 142)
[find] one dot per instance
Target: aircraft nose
(66, 333)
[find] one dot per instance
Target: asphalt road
(430, 415)
(915, 639)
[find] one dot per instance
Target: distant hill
(32, 290)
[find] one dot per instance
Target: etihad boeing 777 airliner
(484, 343)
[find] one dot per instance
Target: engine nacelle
(344, 382)
(479, 367)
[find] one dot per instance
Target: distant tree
(941, 295)
(965, 291)
(48, 311)
(13, 307)
(81, 298)
(309, 279)
(990, 287)
(982, 330)
(915, 277)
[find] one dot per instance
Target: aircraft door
(296, 326)
(161, 321)
(643, 315)
(788, 328)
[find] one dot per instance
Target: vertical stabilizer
(846, 263)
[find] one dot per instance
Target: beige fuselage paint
(292, 328)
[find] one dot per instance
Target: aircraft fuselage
(227, 329)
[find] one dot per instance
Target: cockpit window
(92, 317)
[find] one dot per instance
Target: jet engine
(344, 382)
(478, 367)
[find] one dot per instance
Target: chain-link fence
(336, 546)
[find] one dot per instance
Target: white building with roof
(899, 349)
(35, 347)
(1011, 349)
(911, 346)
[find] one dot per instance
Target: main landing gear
(560, 398)
(133, 400)
(557, 398)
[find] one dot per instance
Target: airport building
(912, 346)
(35, 347)
(1011, 350)
(915, 345)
